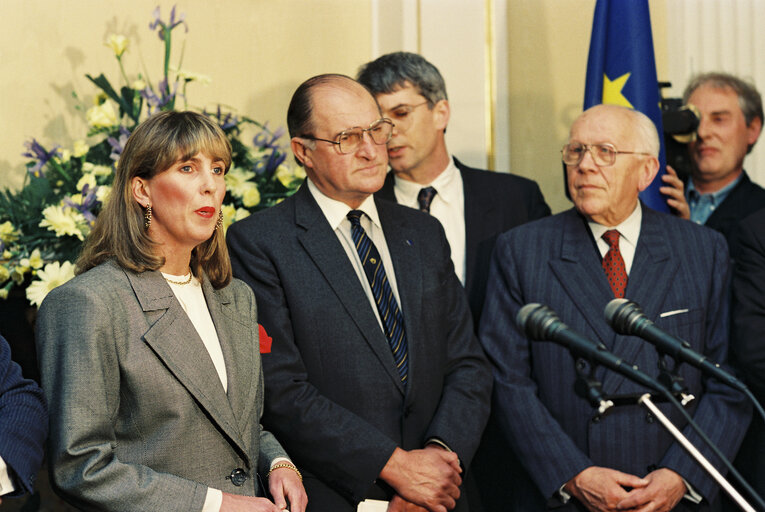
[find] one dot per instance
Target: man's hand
(429, 477)
(675, 192)
(664, 490)
(285, 486)
(399, 504)
(236, 503)
(602, 489)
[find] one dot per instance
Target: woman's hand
(286, 486)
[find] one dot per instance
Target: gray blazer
(138, 417)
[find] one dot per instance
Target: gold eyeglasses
(349, 141)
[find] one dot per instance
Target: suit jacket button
(238, 477)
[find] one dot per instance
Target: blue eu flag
(621, 70)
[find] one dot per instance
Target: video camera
(680, 123)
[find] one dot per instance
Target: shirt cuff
(213, 500)
(691, 494)
(6, 484)
(438, 442)
(277, 460)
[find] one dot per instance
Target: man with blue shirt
(719, 192)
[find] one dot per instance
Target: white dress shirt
(448, 207)
(335, 212)
(6, 484)
(629, 231)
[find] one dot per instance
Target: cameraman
(719, 193)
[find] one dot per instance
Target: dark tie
(613, 264)
(390, 314)
(425, 197)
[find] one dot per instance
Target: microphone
(540, 323)
(626, 317)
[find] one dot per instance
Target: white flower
(251, 197)
(190, 76)
(97, 170)
(101, 116)
(139, 85)
(237, 181)
(63, 222)
(80, 148)
(55, 274)
(118, 43)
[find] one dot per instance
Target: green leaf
(104, 84)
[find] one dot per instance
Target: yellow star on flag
(612, 90)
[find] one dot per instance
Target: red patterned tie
(613, 264)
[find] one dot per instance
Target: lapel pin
(409, 242)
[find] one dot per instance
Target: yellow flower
(139, 85)
(96, 170)
(80, 148)
(289, 175)
(35, 260)
(118, 43)
(89, 180)
(102, 193)
(241, 213)
(237, 181)
(101, 116)
(4, 293)
(55, 274)
(65, 156)
(7, 233)
(229, 212)
(17, 274)
(5, 274)
(63, 222)
(7, 254)
(251, 197)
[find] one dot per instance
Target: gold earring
(219, 224)
(147, 217)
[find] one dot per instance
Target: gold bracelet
(285, 465)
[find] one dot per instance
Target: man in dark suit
(474, 206)
(719, 192)
(375, 382)
(677, 271)
(747, 335)
(23, 427)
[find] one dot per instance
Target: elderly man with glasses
(375, 381)
(609, 245)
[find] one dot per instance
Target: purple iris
(169, 25)
(36, 151)
(118, 144)
(156, 102)
(268, 139)
(225, 121)
(89, 201)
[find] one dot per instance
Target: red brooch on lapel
(265, 340)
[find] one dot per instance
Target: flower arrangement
(43, 225)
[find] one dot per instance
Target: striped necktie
(390, 314)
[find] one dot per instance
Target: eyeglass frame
(373, 125)
(589, 147)
(410, 109)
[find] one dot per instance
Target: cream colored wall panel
(255, 51)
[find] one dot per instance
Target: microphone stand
(727, 487)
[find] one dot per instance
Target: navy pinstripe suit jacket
(678, 267)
